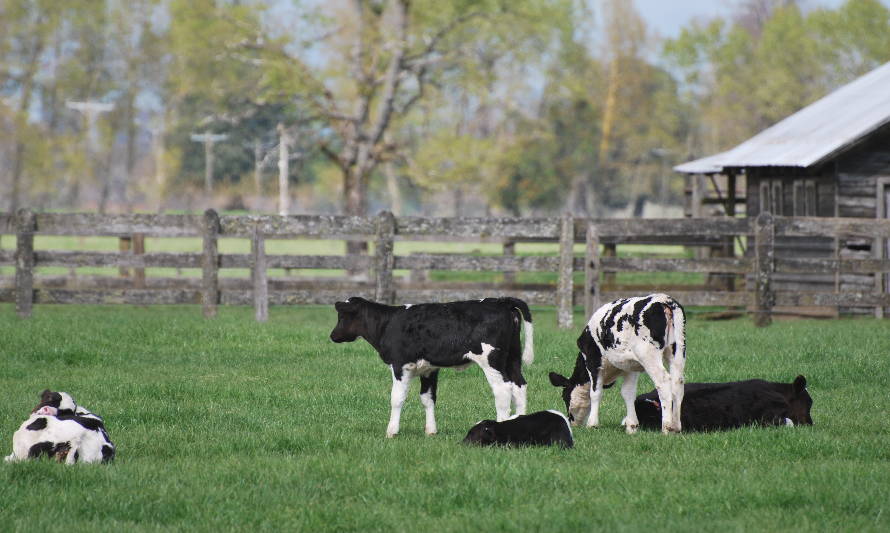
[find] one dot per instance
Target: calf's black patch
(37, 425)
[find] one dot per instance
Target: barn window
(776, 197)
(812, 206)
(764, 196)
(800, 205)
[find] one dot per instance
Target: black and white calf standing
(719, 406)
(625, 338)
(58, 428)
(418, 340)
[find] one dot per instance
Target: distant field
(228, 424)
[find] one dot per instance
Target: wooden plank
(24, 262)
(658, 264)
(830, 227)
(315, 226)
(118, 225)
(671, 227)
(564, 284)
(258, 275)
(867, 298)
(70, 258)
(479, 229)
(118, 296)
(531, 297)
(477, 263)
(591, 271)
(384, 259)
(210, 264)
(696, 298)
(339, 262)
(823, 266)
(764, 237)
(296, 297)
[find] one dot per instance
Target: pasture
(228, 424)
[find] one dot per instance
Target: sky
(668, 17)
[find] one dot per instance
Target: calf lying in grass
(543, 428)
(717, 406)
(60, 429)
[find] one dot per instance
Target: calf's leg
(500, 387)
(677, 364)
(428, 399)
(650, 357)
(400, 382)
(629, 393)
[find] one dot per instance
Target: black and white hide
(626, 338)
(418, 340)
(544, 428)
(720, 406)
(60, 429)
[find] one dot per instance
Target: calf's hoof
(630, 429)
(667, 430)
(390, 435)
(431, 432)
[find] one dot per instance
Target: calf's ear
(800, 384)
(558, 380)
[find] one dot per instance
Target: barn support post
(564, 285)
(591, 271)
(384, 259)
(210, 264)
(764, 249)
(26, 225)
(259, 274)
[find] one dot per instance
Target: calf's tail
(679, 329)
(528, 351)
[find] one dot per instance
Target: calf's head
(482, 433)
(61, 401)
(800, 402)
(575, 391)
(350, 322)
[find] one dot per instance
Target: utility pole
(208, 139)
(91, 111)
(283, 170)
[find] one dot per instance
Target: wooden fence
(756, 268)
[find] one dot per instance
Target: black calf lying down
(543, 428)
(60, 429)
(715, 406)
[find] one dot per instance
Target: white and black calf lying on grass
(60, 429)
(418, 340)
(626, 338)
(718, 406)
(544, 428)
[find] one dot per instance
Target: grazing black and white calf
(418, 340)
(716, 406)
(543, 428)
(60, 429)
(626, 338)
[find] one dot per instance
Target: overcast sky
(667, 17)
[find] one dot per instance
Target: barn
(830, 159)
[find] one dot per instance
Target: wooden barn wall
(858, 172)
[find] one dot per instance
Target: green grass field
(227, 424)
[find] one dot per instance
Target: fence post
(210, 263)
(564, 285)
(764, 245)
(139, 249)
(258, 274)
(26, 224)
(125, 244)
(509, 250)
(592, 271)
(384, 259)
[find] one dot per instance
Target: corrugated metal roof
(813, 134)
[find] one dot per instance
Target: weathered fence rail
(759, 266)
